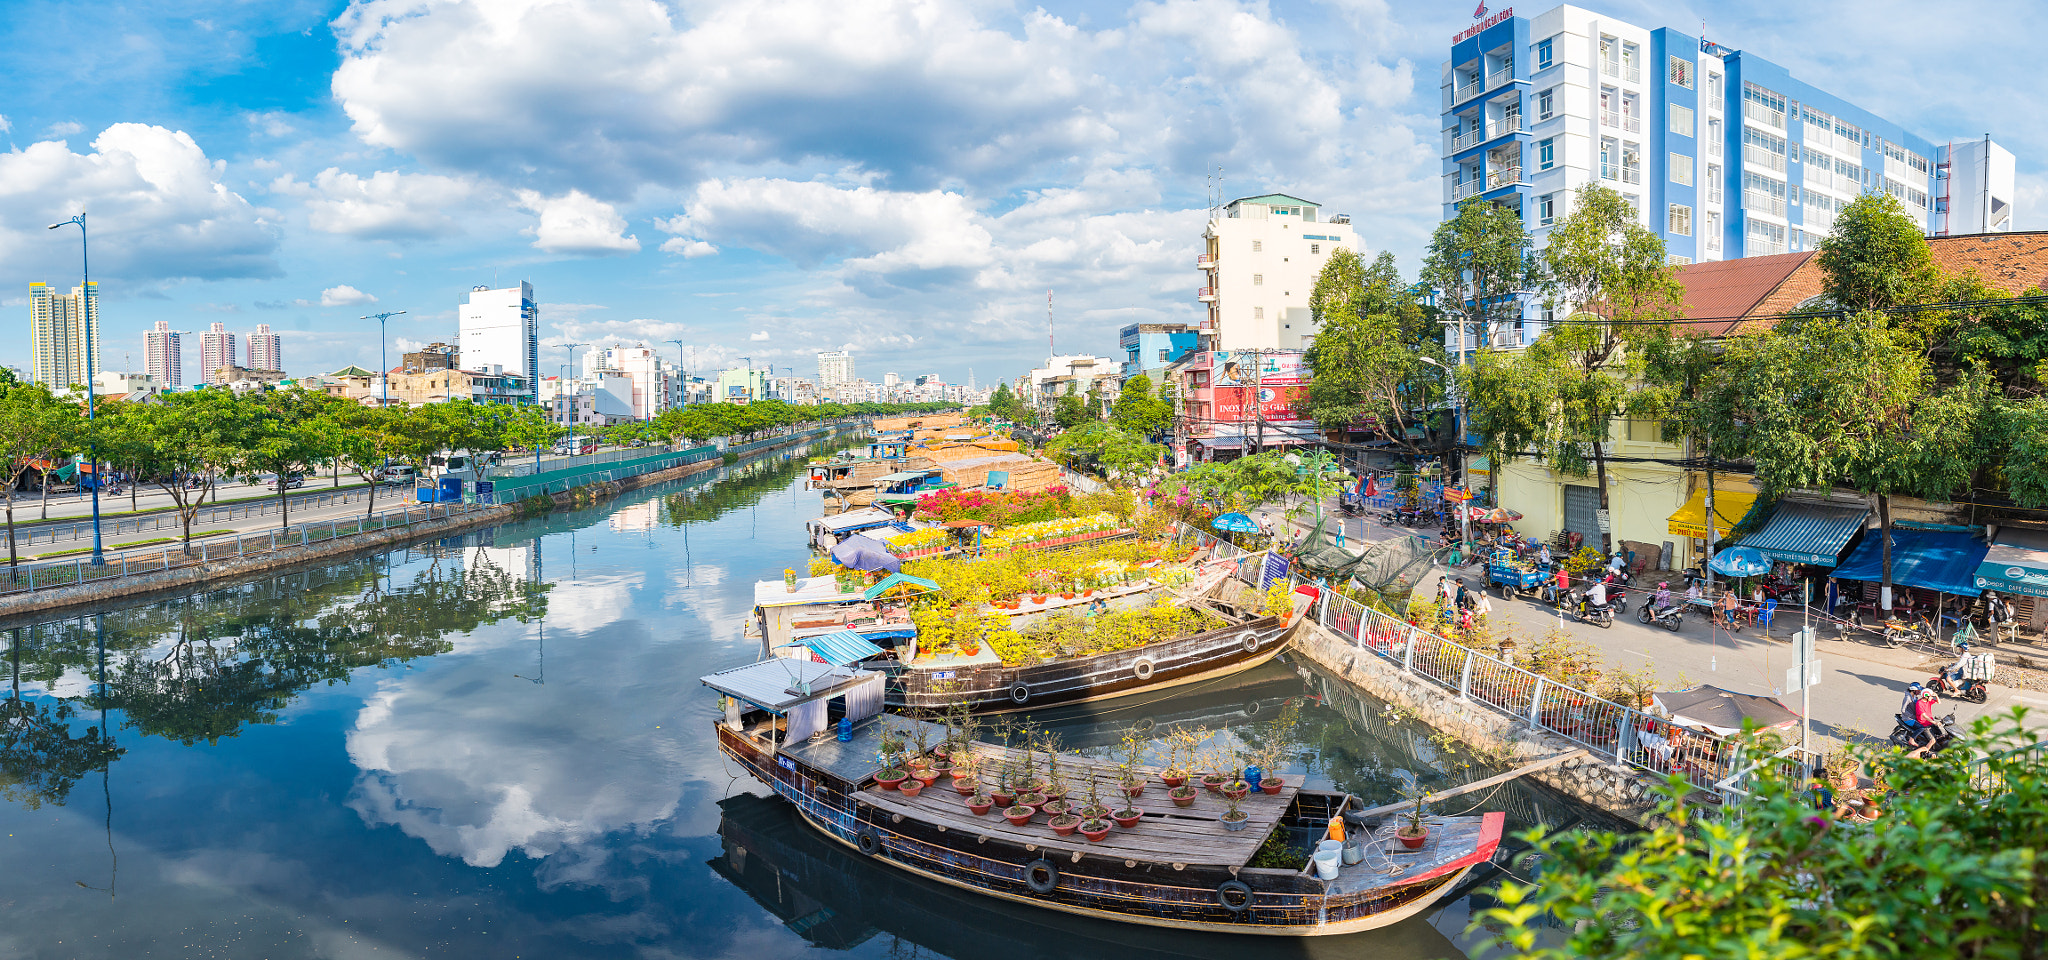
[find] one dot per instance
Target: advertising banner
(1239, 369)
(1282, 404)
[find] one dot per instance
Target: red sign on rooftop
(1473, 30)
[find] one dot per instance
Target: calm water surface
(496, 746)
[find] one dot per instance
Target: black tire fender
(1234, 896)
(1020, 692)
(1142, 668)
(1041, 876)
(868, 839)
(1250, 639)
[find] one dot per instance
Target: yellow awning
(1729, 507)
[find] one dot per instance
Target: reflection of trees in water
(741, 485)
(200, 668)
(40, 759)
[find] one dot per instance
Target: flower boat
(1177, 866)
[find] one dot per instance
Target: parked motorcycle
(1941, 684)
(1946, 733)
(1601, 616)
(1671, 617)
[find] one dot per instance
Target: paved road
(1861, 684)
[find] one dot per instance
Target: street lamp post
(92, 456)
(568, 404)
(682, 374)
(383, 353)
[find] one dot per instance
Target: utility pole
(88, 313)
(682, 374)
(569, 401)
(383, 353)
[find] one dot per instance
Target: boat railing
(1614, 731)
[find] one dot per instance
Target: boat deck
(1168, 834)
(1452, 845)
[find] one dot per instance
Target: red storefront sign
(1284, 404)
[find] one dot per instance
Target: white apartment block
(1263, 256)
(834, 368)
(216, 354)
(162, 357)
(266, 349)
(1973, 188)
(653, 387)
(501, 328)
(64, 335)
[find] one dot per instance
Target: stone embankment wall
(1611, 786)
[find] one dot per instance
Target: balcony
(1205, 262)
(1757, 156)
(1753, 110)
(1631, 173)
(1501, 78)
(1756, 202)
(1461, 190)
(1503, 127)
(1467, 140)
(1504, 177)
(1206, 294)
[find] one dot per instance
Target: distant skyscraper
(59, 327)
(834, 368)
(162, 358)
(502, 328)
(216, 353)
(265, 349)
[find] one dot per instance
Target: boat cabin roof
(862, 519)
(780, 683)
(776, 593)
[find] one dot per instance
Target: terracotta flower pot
(1018, 816)
(1134, 788)
(1236, 789)
(1182, 796)
(981, 804)
(926, 776)
(1066, 595)
(967, 787)
(1095, 835)
(1212, 783)
(911, 787)
(1411, 837)
(890, 779)
(1038, 598)
(1004, 797)
(1173, 778)
(1053, 808)
(1127, 818)
(1271, 786)
(1032, 800)
(1065, 824)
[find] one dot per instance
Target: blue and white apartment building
(1723, 151)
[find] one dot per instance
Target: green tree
(1373, 341)
(194, 435)
(1071, 411)
(1119, 454)
(1608, 273)
(1876, 257)
(1004, 403)
(1137, 411)
(1480, 264)
(1952, 866)
(34, 426)
(281, 433)
(363, 438)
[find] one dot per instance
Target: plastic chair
(1764, 617)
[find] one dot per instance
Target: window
(1713, 136)
(1258, 313)
(1610, 57)
(1635, 206)
(1631, 61)
(1765, 237)
(1681, 169)
(1258, 279)
(1546, 209)
(1315, 248)
(1258, 245)
(1546, 104)
(1546, 153)
(1546, 53)
(1713, 231)
(1677, 261)
(1762, 150)
(1681, 72)
(1714, 90)
(1678, 222)
(1713, 183)
(1610, 159)
(1681, 120)
(1162, 355)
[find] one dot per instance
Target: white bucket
(1328, 855)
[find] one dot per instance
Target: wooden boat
(1177, 867)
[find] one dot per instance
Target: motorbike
(1941, 684)
(1601, 616)
(1671, 617)
(1946, 733)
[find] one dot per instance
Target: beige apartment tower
(63, 329)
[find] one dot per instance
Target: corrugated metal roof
(841, 647)
(857, 520)
(776, 593)
(1803, 532)
(778, 684)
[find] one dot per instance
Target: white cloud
(64, 128)
(690, 249)
(4, 125)
(344, 296)
(577, 224)
(387, 205)
(156, 204)
(758, 336)
(270, 123)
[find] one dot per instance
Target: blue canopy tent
(841, 647)
(1235, 523)
(1938, 560)
(895, 580)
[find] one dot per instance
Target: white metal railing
(1611, 68)
(1460, 189)
(1713, 146)
(1610, 171)
(1504, 126)
(1614, 731)
(1502, 178)
(1757, 247)
(1753, 110)
(1611, 119)
(1757, 202)
(1468, 139)
(1501, 78)
(1714, 190)
(1758, 156)
(1631, 173)
(526, 468)
(1631, 123)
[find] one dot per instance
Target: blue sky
(771, 179)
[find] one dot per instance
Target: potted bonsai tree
(1093, 809)
(911, 787)
(1183, 795)
(981, 804)
(1175, 773)
(1128, 817)
(1018, 814)
(1234, 817)
(1064, 824)
(1414, 833)
(1095, 830)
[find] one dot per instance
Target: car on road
(292, 481)
(405, 475)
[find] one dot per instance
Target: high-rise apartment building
(162, 357)
(265, 349)
(216, 354)
(1263, 256)
(64, 335)
(502, 328)
(652, 387)
(1721, 151)
(1973, 188)
(834, 368)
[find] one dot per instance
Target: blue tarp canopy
(841, 647)
(895, 580)
(1803, 532)
(2016, 563)
(1928, 559)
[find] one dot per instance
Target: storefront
(1806, 531)
(1935, 563)
(1689, 524)
(2016, 565)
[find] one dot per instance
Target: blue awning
(1803, 532)
(1929, 559)
(841, 648)
(2016, 563)
(895, 580)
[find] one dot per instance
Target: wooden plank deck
(1168, 834)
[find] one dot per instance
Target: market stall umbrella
(1723, 711)
(1740, 562)
(865, 553)
(1235, 523)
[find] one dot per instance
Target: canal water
(495, 746)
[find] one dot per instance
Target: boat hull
(1180, 896)
(995, 688)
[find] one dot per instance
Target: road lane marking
(1638, 653)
